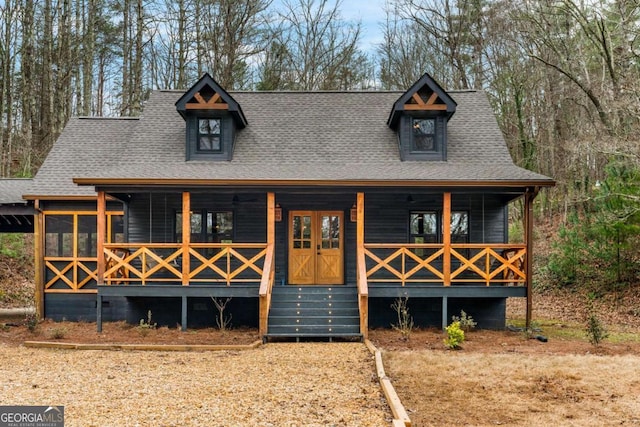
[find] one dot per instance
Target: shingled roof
(290, 136)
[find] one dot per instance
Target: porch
(382, 270)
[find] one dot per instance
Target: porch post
(363, 291)
(266, 284)
(446, 238)
(102, 231)
(38, 244)
(271, 218)
(186, 236)
(101, 228)
(529, 195)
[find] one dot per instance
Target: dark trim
(240, 291)
(437, 291)
(257, 183)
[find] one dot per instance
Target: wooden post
(266, 288)
(183, 319)
(446, 238)
(529, 195)
(271, 218)
(363, 292)
(38, 244)
(102, 231)
(99, 312)
(445, 312)
(186, 237)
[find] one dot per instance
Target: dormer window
(420, 118)
(424, 135)
(209, 135)
(212, 119)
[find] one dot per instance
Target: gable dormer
(420, 118)
(212, 119)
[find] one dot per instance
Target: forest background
(563, 77)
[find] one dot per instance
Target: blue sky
(371, 15)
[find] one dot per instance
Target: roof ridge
(106, 118)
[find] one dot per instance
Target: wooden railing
(363, 291)
(266, 287)
(72, 273)
(226, 263)
(486, 263)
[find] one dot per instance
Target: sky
(371, 15)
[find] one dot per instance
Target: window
(209, 135)
(207, 226)
(424, 227)
(459, 227)
(76, 235)
(424, 135)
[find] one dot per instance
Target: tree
(314, 49)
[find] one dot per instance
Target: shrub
(145, 326)
(455, 336)
(595, 329)
(223, 322)
(58, 333)
(405, 320)
(31, 322)
(466, 322)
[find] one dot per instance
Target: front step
(314, 312)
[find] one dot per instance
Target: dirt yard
(497, 378)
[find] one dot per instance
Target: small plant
(31, 322)
(58, 333)
(455, 336)
(466, 322)
(595, 330)
(222, 321)
(405, 320)
(145, 326)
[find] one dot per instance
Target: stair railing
(266, 287)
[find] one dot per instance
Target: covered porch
(375, 266)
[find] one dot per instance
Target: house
(311, 211)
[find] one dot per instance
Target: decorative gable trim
(425, 96)
(214, 103)
(207, 95)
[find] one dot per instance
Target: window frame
(416, 131)
(439, 226)
(210, 135)
(203, 235)
(76, 242)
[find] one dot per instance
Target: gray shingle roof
(85, 146)
(12, 189)
(333, 136)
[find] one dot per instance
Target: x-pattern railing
(424, 263)
(231, 256)
(163, 262)
(73, 267)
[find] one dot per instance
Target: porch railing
(266, 286)
(486, 263)
(215, 263)
(70, 273)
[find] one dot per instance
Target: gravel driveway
(307, 384)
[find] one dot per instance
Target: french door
(316, 254)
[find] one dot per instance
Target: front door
(315, 248)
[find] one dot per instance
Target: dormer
(420, 118)
(212, 119)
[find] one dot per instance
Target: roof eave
(190, 182)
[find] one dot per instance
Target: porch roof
(335, 138)
(16, 214)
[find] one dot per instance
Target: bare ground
(309, 384)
